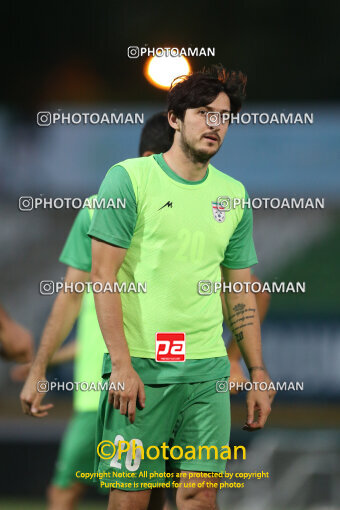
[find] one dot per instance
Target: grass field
(20, 504)
(24, 504)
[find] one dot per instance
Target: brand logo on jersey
(169, 204)
(218, 212)
(170, 346)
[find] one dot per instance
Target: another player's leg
(62, 498)
(76, 454)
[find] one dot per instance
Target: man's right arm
(112, 230)
(106, 261)
(59, 324)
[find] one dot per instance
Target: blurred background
(72, 57)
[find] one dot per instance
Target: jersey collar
(159, 158)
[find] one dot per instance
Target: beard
(195, 155)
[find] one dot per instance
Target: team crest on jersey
(218, 212)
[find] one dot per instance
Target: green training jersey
(90, 343)
(175, 239)
(89, 362)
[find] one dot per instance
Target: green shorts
(77, 451)
(193, 417)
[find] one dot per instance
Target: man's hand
(271, 392)
(126, 399)
(258, 402)
(32, 394)
(236, 376)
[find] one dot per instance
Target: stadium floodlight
(160, 71)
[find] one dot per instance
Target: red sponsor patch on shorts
(170, 346)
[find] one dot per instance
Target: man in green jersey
(165, 345)
(77, 450)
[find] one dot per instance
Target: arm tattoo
(239, 337)
(240, 318)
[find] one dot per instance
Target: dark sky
(77, 50)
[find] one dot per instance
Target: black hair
(202, 87)
(155, 135)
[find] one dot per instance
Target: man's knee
(199, 499)
(124, 500)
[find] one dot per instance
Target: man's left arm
(244, 323)
(236, 371)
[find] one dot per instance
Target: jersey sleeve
(77, 249)
(240, 252)
(115, 225)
